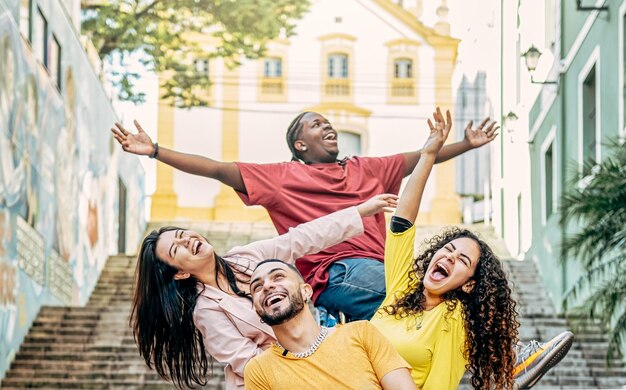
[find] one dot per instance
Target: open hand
(377, 204)
(139, 143)
(484, 134)
(438, 132)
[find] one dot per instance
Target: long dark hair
(162, 316)
(489, 312)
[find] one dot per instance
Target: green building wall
(601, 41)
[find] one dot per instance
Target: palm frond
(615, 265)
(616, 337)
(593, 209)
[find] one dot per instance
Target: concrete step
(84, 384)
(85, 310)
(85, 375)
(88, 356)
(78, 347)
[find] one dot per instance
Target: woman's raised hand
(139, 143)
(438, 132)
(377, 204)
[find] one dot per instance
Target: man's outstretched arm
(474, 138)
(141, 144)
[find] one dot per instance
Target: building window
(272, 76)
(403, 83)
(589, 107)
(337, 83)
(403, 68)
(349, 143)
(272, 83)
(338, 66)
(40, 38)
(55, 61)
(25, 16)
(273, 67)
(202, 66)
(623, 70)
(402, 71)
(548, 169)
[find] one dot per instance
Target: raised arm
(141, 144)
(318, 234)
(409, 202)
(474, 138)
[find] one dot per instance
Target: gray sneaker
(535, 359)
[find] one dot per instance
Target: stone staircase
(89, 347)
(92, 347)
(585, 366)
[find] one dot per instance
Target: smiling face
(278, 292)
(186, 251)
(452, 266)
(317, 141)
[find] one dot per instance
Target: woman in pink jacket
(190, 302)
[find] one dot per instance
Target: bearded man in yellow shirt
(310, 356)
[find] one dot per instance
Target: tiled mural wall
(60, 182)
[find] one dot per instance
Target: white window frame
(405, 60)
(270, 68)
(549, 141)
(594, 60)
(341, 67)
(621, 70)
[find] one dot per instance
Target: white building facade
(370, 66)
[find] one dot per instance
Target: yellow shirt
(432, 342)
(355, 356)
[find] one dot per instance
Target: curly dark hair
(489, 312)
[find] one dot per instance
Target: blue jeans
(355, 287)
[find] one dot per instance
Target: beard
(296, 304)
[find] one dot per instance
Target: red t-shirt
(294, 193)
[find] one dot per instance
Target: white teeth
(273, 299)
(442, 269)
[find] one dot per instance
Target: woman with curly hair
(450, 308)
(190, 303)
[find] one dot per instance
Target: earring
(306, 299)
(304, 148)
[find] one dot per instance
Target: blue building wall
(60, 174)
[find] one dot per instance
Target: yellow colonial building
(372, 67)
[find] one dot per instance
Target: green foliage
(162, 31)
(597, 202)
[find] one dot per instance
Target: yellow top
(433, 341)
(354, 356)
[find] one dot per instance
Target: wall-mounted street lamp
(580, 7)
(531, 58)
(510, 121)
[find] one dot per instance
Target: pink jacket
(231, 329)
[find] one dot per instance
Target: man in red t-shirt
(348, 277)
